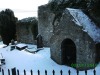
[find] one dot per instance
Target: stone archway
(97, 52)
(68, 52)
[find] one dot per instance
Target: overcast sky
(22, 8)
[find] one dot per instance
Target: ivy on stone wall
(89, 7)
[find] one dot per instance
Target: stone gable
(62, 35)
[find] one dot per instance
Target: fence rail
(16, 72)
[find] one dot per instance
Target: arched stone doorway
(98, 53)
(68, 52)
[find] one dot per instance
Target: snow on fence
(16, 72)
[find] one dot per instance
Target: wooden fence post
(31, 72)
(18, 72)
(94, 72)
(77, 72)
(38, 72)
(69, 72)
(8, 72)
(45, 72)
(24, 72)
(0, 69)
(61, 72)
(13, 71)
(53, 72)
(2, 72)
(85, 72)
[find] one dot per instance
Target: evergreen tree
(7, 26)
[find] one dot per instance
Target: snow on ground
(88, 26)
(39, 61)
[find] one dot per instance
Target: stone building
(45, 20)
(24, 34)
(25, 30)
(73, 38)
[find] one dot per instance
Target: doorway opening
(98, 53)
(68, 52)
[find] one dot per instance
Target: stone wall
(27, 30)
(45, 27)
(85, 47)
(53, 12)
(54, 31)
(24, 33)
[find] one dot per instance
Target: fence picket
(53, 72)
(85, 72)
(18, 72)
(61, 72)
(2, 72)
(69, 72)
(77, 72)
(94, 72)
(13, 71)
(24, 72)
(38, 72)
(8, 72)
(45, 72)
(31, 72)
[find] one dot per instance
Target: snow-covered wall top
(58, 1)
(88, 26)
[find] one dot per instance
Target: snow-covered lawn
(39, 61)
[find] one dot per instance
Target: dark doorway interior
(68, 52)
(98, 53)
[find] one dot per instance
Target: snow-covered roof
(88, 26)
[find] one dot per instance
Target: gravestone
(12, 44)
(39, 41)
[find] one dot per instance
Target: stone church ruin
(73, 38)
(26, 30)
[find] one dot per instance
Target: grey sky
(22, 8)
